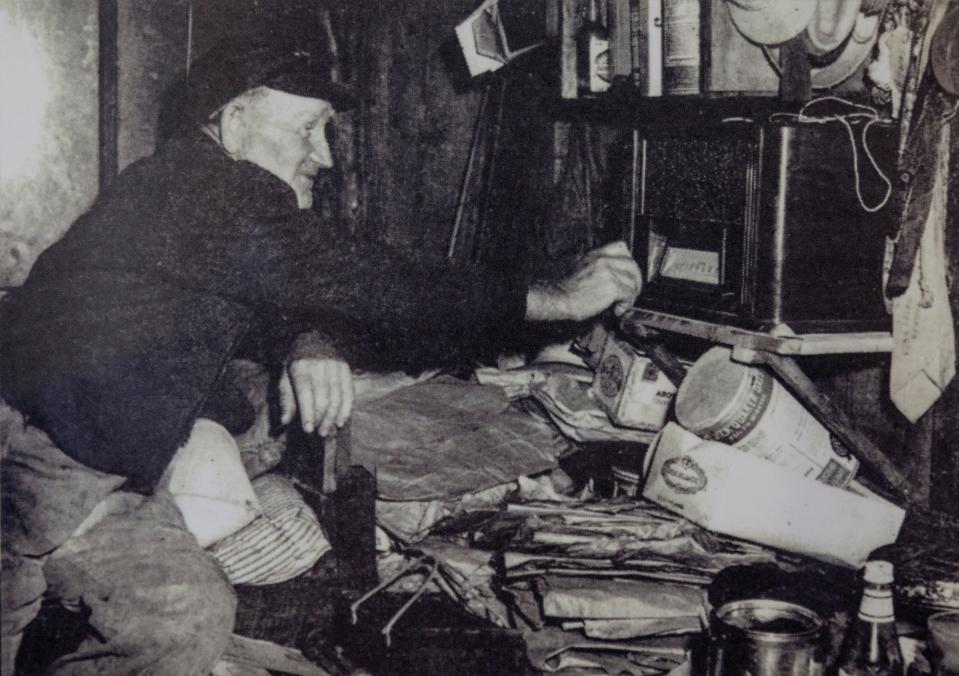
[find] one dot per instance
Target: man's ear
(233, 129)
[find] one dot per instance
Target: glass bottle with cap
(872, 645)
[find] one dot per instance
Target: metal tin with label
(631, 389)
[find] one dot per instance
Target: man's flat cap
(235, 65)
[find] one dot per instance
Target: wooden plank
(343, 457)
(834, 419)
(637, 322)
(329, 449)
(569, 23)
(269, 655)
(796, 82)
(843, 343)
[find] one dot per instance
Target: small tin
(631, 389)
(765, 637)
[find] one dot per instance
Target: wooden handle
(336, 457)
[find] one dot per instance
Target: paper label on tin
(599, 66)
(769, 423)
(683, 475)
(631, 389)
(792, 437)
(611, 376)
(757, 393)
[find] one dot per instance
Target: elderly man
(114, 349)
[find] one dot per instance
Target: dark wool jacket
(118, 338)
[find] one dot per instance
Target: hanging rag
(923, 358)
(922, 107)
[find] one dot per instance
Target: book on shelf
(635, 31)
(646, 45)
(668, 47)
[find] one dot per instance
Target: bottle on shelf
(872, 645)
(592, 54)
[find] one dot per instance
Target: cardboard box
(735, 493)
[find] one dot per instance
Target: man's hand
(604, 277)
(318, 383)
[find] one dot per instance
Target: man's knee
(192, 637)
(179, 627)
(21, 591)
(157, 603)
(209, 613)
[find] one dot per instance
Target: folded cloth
(924, 350)
(282, 544)
(209, 484)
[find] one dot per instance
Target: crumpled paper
(445, 437)
(552, 649)
(612, 599)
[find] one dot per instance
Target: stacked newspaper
(589, 580)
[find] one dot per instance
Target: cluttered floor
(503, 524)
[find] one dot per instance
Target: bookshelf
(627, 108)
(664, 48)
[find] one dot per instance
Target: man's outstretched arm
(605, 277)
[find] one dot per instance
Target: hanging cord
(860, 112)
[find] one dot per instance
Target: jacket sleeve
(296, 264)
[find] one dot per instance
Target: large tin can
(764, 637)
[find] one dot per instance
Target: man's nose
(321, 149)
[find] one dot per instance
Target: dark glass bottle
(592, 54)
(872, 645)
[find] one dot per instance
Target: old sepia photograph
(479, 337)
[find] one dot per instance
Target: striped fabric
(285, 542)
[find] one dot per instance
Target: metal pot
(763, 637)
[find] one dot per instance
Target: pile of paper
(611, 584)
(622, 538)
(564, 392)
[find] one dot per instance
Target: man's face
(286, 135)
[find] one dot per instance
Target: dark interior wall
(48, 125)
(413, 128)
(152, 44)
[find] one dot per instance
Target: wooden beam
(108, 84)
(835, 420)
